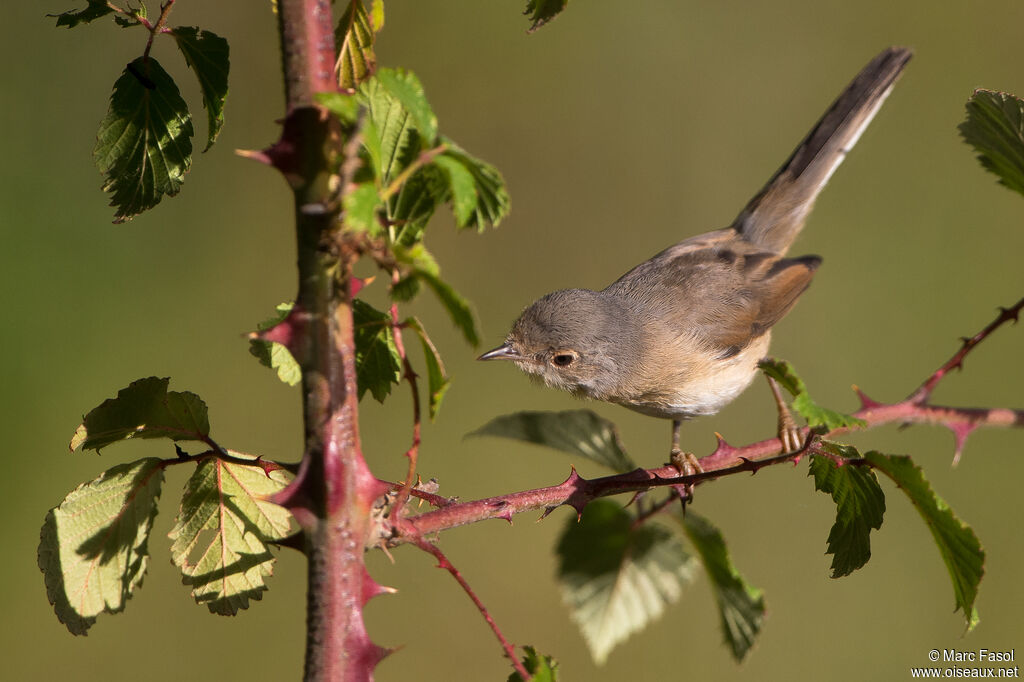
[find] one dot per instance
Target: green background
(620, 129)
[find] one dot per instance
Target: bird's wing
(722, 290)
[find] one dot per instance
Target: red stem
(333, 492)
(956, 362)
(442, 562)
(398, 508)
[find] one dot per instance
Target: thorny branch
(727, 460)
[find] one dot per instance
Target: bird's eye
(563, 359)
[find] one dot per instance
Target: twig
(165, 9)
(413, 452)
(956, 362)
(442, 562)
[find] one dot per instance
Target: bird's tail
(776, 215)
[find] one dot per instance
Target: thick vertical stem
(332, 495)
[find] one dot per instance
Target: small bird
(681, 335)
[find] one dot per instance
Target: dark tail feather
(776, 215)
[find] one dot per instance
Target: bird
(681, 335)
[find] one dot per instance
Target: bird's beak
(502, 352)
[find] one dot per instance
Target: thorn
(960, 433)
(357, 284)
(179, 452)
(866, 403)
(723, 448)
(382, 652)
(547, 512)
(371, 588)
(636, 496)
(260, 156)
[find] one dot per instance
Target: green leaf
(578, 432)
(128, 21)
(995, 128)
(492, 200)
(145, 409)
(94, 10)
(143, 146)
(615, 578)
(740, 605)
(860, 505)
(354, 37)
(437, 378)
(389, 136)
(273, 354)
(345, 107)
(462, 186)
(206, 53)
(93, 546)
(541, 668)
(457, 307)
(378, 364)
(405, 87)
(543, 11)
(220, 537)
(416, 202)
(816, 416)
(959, 546)
(361, 204)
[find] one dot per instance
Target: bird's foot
(789, 433)
(686, 463)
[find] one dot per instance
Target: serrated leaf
(378, 364)
(543, 11)
(959, 546)
(541, 668)
(406, 88)
(416, 201)
(94, 10)
(740, 605)
(220, 537)
(457, 307)
(145, 409)
(354, 37)
(616, 579)
(578, 432)
(437, 379)
(418, 258)
(127, 21)
(361, 204)
(390, 137)
(207, 54)
(816, 416)
(144, 144)
(995, 128)
(462, 186)
(273, 354)
(93, 546)
(860, 506)
(492, 200)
